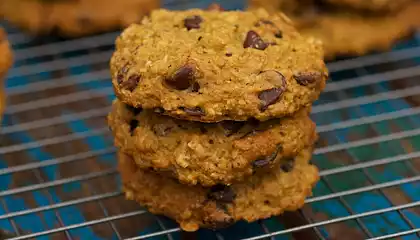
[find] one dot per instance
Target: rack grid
(58, 176)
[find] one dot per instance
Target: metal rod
(395, 235)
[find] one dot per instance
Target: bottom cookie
(259, 197)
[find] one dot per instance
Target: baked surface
(211, 66)
(208, 153)
(72, 18)
(347, 32)
(6, 61)
(195, 206)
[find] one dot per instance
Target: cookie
(348, 33)
(351, 33)
(193, 207)
(212, 66)
(6, 60)
(74, 18)
(208, 153)
(371, 5)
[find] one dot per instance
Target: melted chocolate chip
(215, 7)
(232, 127)
(121, 74)
(120, 78)
(306, 78)
(269, 97)
(228, 54)
(197, 111)
(288, 165)
(221, 193)
(131, 83)
(133, 125)
(182, 79)
(135, 111)
(264, 161)
(254, 40)
(193, 22)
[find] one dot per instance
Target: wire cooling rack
(57, 164)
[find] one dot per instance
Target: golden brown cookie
(6, 60)
(72, 18)
(211, 66)
(353, 34)
(348, 32)
(192, 207)
(208, 153)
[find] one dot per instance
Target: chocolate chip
(121, 74)
(131, 83)
(133, 110)
(221, 193)
(120, 78)
(215, 7)
(306, 78)
(197, 111)
(269, 97)
(162, 129)
(232, 127)
(228, 54)
(278, 34)
(288, 165)
(193, 22)
(133, 125)
(182, 79)
(254, 40)
(199, 38)
(264, 161)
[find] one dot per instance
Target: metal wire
(22, 136)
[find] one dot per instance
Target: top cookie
(211, 66)
(74, 18)
(371, 5)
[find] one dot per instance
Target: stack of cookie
(350, 27)
(6, 60)
(212, 116)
